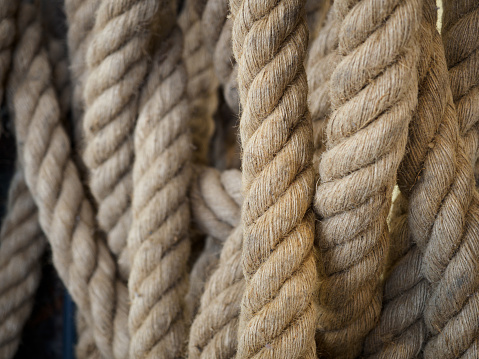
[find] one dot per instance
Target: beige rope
(461, 44)
(117, 66)
(322, 60)
(159, 240)
(278, 313)
(7, 37)
(65, 215)
(21, 247)
(214, 331)
(374, 94)
(215, 200)
(202, 83)
(81, 19)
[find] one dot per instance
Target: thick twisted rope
(8, 10)
(460, 32)
(213, 333)
(322, 60)
(159, 242)
(60, 74)
(65, 215)
(202, 83)
(373, 97)
(278, 312)
(81, 19)
(117, 66)
(215, 206)
(21, 247)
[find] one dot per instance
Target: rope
(159, 241)
(373, 97)
(81, 19)
(461, 44)
(322, 60)
(213, 333)
(278, 313)
(7, 37)
(202, 84)
(65, 215)
(215, 200)
(22, 245)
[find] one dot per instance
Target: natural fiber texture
(81, 19)
(214, 331)
(85, 346)
(117, 66)
(60, 74)
(202, 83)
(66, 217)
(322, 60)
(159, 242)
(21, 247)
(215, 206)
(461, 44)
(7, 37)
(373, 97)
(278, 313)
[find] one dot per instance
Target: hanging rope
(278, 313)
(22, 244)
(8, 11)
(373, 97)
(461, 44)
(65, 215)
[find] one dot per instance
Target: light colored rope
(65, 215)
(213, 333)
(202, 83)
(373, 97)
(460, 31)
(159, 242)
(278, 311)
(21, 247)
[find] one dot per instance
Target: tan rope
(21, 246)
(461, 44)
(81, 19)
(117, 66)
(159, 240)
(60, 74)
(278, 313)
(65, 215)
(374, 94)
(215, 205)
(322, 60)
(213, 333)
(202, 83)
(7, 37)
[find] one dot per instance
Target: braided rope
(374, 94)
(159, 240)
(461, 44)
(65, 215)
(278, 313)
(21, 247)
(202, 83)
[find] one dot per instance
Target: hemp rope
(81, 19)
(159, 240)
(461, 44)
(65, 214)
(213, 333)
(443, 221)
(8, 10)
(322, 59)
(22, 245)
(202, 83)
(215, 200)
(278, 311)
(373, 97)
(117, 66)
